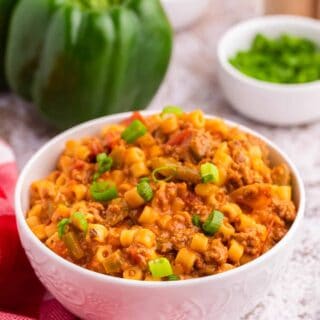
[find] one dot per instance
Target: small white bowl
(276, 104)
(183, 13)
(92, 295)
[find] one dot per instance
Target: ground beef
(217, 253)
(116, 212)
(285, 210)
(251, 240)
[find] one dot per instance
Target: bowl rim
(99, 122)
(265, 20)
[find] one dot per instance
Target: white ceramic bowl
(277, 104)
(182, 13)
(95, 296)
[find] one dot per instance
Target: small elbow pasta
(50, 229)
(148, 216)
(232, 211)
(139, 169)
(79, 191)
(127, 237)
(133, 155)
(39, 231)
(246, 222)
(227, 229)
(199, 242)
(169, 124)
(282, 192)
(197, 119)
(97, 232)
(102, 253)
(206, 189)
(186, 258)
(145, 237)
(33, 221)
(235, 251)
(133, 198)
(35, 211)
(133, 273)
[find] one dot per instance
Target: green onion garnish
(78, 219)
(196, 220)
(172, 110)
(213, 223)
(147, 179)
(173, 277)
(209, 173)
(160, 267)
(103, 191)
(158, 170)
(104, 162)
(62, 227)
(135, 130)
(145, 191)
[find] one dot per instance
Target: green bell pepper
(6, 8)
(81, 59)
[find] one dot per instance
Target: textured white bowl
(95, 296)
(182, 13)
(277, 104)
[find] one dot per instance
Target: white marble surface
(192, 82)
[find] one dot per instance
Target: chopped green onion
(103, 191)
(173, 277)
(172, 110)
(213, 223)
(160, 267)
(158, 170)
(62, 226)
(145, 191)
(196, 220)
(72, 243)
(96, 176)
(78, 219)
(209, 173)
(147, 179)
(104, 162)
(135, 130)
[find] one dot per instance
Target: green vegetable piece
(173, 277)
(62, 227)
(135, 130)
(104, 163)
(81, 59)
(209, 173)
(160, 267)
(196, 220)
(145, 191)
(172, 110)
(103, 191)
(78, 219)
(168, 171)
(213, 223)
(72, 243)
(286, 59)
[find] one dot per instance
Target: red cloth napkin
(22, 297)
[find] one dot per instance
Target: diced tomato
(78, 164)
(96, 147)
(111, 139)
(179, 138)
(135, 116)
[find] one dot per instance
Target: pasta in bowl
(161, 197)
